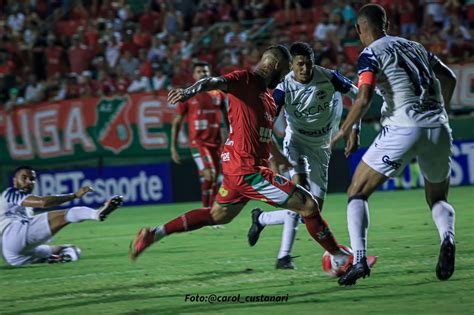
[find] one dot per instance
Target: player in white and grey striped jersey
(311, 97)
(416, 86)
(22, 234)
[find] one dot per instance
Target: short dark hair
(302, 49)
(201, 64)
(279, 51)
(23, 167)
(374, 14)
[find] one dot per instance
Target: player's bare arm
(358, 110)
(54, 201)
(175, 127)
(203, 85)
(447, 79)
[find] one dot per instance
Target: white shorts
(309, 159)
(22, 242)
(396, 146)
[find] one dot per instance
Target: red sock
(319, 230)
(191, 220)
(206, 193)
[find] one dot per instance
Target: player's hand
(352, 143)
(177, 95)
(282, 162)
(82, 191)
(338, 136)
(175, 156)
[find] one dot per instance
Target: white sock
(443, 216)
(358, 225)
(289, 232)
(79, 214)
(272, 217)
(159, 232)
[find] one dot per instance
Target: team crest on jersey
(282, 181)
(112, 126)
(321, 95)
(223, 192)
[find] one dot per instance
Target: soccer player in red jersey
(245, 158)
(204, 116)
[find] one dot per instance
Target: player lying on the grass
(23, 234)
(311, 98)
(203, 113)
(416, 87)
(252, 111)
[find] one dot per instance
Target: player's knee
(208, 175)
(310, 207)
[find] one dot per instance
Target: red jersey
(203, 112)
(251, 114)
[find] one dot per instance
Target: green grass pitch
(219, 261)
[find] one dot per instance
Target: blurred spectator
(150, 21)
(16, 19)
(145, 68)
(406, 10)
(54, 56)
(139, 83)
(78, 56)
(172, 20)
(85, 85)
(128, 63)
(323, 28)
(112, 52)
(435, 8)
(159, 80)
(35, 91)
(13, 99)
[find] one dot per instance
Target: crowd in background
(52, 50)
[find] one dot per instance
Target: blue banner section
(140, 184)
(462, 168)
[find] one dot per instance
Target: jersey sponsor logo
(316, 133)
(311, 111)
(200, 124)
(265, 135)
(394, 164)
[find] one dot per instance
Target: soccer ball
(336, 271)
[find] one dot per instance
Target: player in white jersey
(312, 100)
(416, 87)
(22, 234)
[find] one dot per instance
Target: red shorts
(207, 157)
(264, 185)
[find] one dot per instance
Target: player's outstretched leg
(304, 203)
(79, 214)
(192, 220)
(109, 206)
